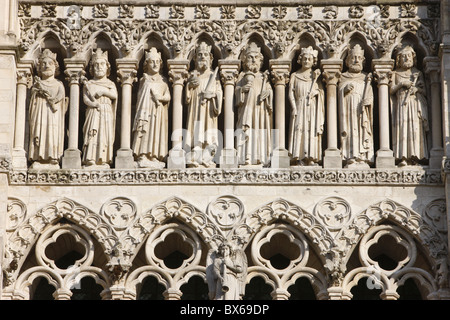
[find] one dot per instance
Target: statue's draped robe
(306, 127)
(409, 118)
(151, 124)
(254, 144)
(100, 124)
(356, 117)
(202, 114)
(47, 122)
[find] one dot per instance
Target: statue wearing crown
(100, 98)
(306, 96)
(48, 106)
(409, 110)
(203, 97)
(150, 127)
(254, 104)
(355, 102)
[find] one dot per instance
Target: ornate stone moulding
(218, 176)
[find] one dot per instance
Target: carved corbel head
(177, 49)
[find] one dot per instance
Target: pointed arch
(148, 40)
(206, 37)
(25, 236)
(416, 42)
(281, 209)
(261, 42)
(407, 219)
(172, 208)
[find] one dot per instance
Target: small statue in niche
(226, 273)
(203, 96)
(48, 106)
(355, 99)
(306, 96)
(254, 101)
(150, 128)
(100, 97)
(409, 110)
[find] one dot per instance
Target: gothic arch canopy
(26, 234)
(407, 219)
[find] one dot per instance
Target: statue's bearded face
(355, 62)
(47, 67)
(407, 59)
(253, 61)
(100, 68)
(203, 60)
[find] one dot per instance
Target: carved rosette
(226, 211)
(435, 215)
(334, 212)
(119, 212)
(17, 213)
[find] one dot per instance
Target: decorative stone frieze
(300, 177)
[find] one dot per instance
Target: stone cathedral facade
(233, 150)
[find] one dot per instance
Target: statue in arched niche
(48, 105)
(306, 96)
(226, 273)
(355, 98)
(203, 95)
(100, 98)
(254, 101)
(150, 128)
(409, 110)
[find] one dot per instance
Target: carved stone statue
(48, 105)
(100, 97)
(254, 101)
(306, 96)
(355, 99)
(226, 272)
(203, 94)
(150, 128)
(409, 110)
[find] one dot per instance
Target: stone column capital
(178, 70)
(432, 68)
(331, 70)
(24, 72)
(229, 71)
(280, 71)
(73, 76)
(127, 70)
(382, 70)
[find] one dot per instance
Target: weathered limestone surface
(124, 182)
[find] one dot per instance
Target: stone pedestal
(124, 159)
(71, 159)
(280, 159)
(176, 159)
(228, 159)
(332, 159)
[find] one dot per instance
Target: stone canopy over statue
(355, 100)
(254, 105)
(306, 96)
(100, 96)
(203, 98)
(409, 110)
(150, 128)
(48, 105)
